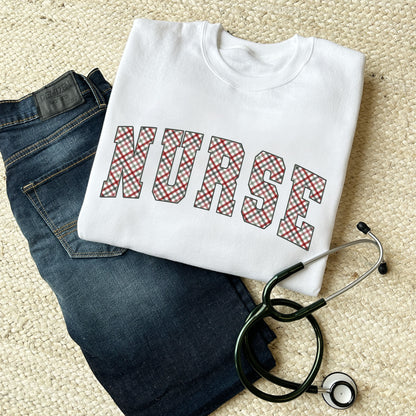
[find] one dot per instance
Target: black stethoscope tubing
(266, 309)
(298, 388)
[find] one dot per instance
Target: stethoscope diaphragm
(340, 390)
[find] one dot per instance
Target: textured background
(370, 332)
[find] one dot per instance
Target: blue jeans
(158, 335)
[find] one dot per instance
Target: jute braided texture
(370, 332)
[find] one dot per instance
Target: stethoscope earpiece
(382, 268)
(340, 390)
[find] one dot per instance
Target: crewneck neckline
(297, 51)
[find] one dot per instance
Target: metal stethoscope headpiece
(338, 389)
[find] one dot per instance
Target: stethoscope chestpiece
(340, 390)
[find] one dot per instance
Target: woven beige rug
(370, 332)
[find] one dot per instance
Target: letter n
(224, 165)
(128, 162)
(298, 207)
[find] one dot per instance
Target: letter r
(223, 173)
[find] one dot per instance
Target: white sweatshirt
(224, 153)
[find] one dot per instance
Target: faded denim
(158, 335)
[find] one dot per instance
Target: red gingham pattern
(297, 206)
(262, 217)
(162, 191)
(128, 163)
(224, 176)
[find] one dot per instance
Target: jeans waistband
(23, 110)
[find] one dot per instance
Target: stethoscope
(338, 389)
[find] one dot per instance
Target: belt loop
(97, 94)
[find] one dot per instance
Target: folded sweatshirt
(224, 153)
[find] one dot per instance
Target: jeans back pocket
(57, 196)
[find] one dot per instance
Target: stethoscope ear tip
(382, 268)
(341, 390)
(363, 227)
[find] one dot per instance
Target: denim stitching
(97, 95)
(42, 214)
(63, 170)
(97, 99)
(30, 95)
(44, 210)
(21, 120)
(10, 123)
(93, 71)
(66, 226)
(41, 143)
(68, 232)
(18, 100)
(87, 253)
(46, 140)
(102, 101)
(53, 228)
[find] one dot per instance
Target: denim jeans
(158, 335)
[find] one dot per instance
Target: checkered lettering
(223, 168)
(297, 206)
(128, 163)
(191, 143)
(262, 217)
